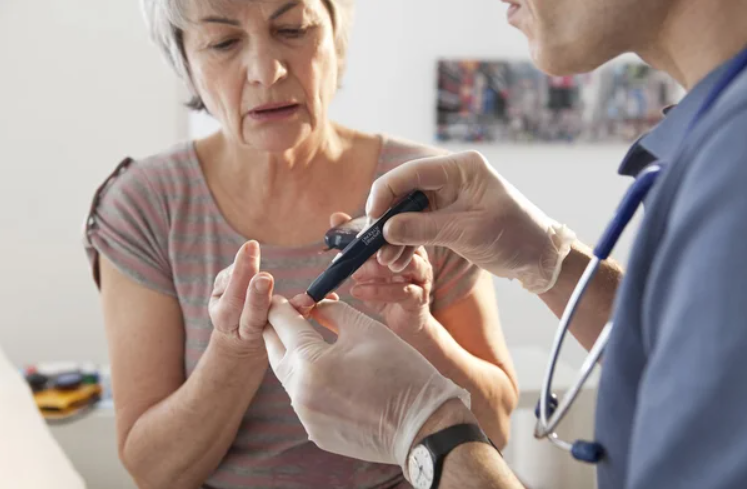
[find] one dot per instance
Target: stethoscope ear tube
(550, 412)
(557, 411)
(626, 210)
(543, 427)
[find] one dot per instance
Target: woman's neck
(697, 37)
(276, 175)
(287, 197)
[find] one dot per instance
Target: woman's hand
(240, 302)
(402, 297)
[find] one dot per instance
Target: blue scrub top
(672, 406)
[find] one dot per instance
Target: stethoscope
(549, 410)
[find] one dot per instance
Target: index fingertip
(303, 304)
(379, 200)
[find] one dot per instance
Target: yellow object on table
(59, 404)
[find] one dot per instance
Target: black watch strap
(441, 443)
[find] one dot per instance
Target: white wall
(80, 88)
(390, 87)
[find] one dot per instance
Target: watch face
(420, 468)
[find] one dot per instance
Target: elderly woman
(174, 242)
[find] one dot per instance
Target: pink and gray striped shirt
(156, 221)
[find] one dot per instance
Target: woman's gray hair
(167, 19)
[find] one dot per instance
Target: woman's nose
(265, 67)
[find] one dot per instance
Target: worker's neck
(697, 37)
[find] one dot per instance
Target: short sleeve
(690, 430)
(127, 224)
(454, 277)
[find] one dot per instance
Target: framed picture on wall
(512, 101)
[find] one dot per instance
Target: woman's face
(266, 69)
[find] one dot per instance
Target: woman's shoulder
(132, 211)
(167, 167)
(162, 173)
(149, 185)
(396, 151)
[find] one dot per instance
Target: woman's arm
(173, 432)
(464, 341)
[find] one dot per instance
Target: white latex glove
(476, 213)
(367, 395)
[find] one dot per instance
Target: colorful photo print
(505, 101)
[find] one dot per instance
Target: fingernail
(369, 203)
(399, 279)
(262, 284)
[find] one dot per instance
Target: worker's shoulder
(727, 115)
(718, 146)
(715, 160)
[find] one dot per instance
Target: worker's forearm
(595, 307)
(471, 465)
(494, 395)
(181, 441)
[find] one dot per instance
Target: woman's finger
(389, 293)
(304, 304)
(226, 309)
(338, 219)
(221, 281)
(418, 270)
(246, 266)
(404, 260)
(389, 254)
(371, 270)
(257, 305)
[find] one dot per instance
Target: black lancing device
(362, 248)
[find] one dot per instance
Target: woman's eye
(292, 33)
(224, 45)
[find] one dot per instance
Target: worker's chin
(557, 62)
(569, 57)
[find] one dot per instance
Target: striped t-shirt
(156, 221)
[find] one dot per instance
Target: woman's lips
(513, 9)
(274, 112)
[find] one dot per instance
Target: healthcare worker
(672, 394)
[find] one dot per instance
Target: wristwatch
(426, 460)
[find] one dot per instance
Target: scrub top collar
(662, 141)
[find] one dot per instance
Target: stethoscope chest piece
(590, 452)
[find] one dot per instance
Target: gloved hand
(367, 395)
(402, 298)
(476, 213)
